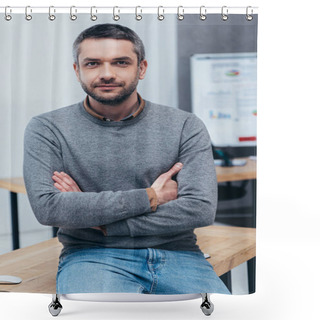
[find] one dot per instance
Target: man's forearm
(87, 209)
(175, 216)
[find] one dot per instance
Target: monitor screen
(224, 96)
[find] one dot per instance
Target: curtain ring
(116, 17)
(138, 16)
(249, 16)
(7, 16)
(224, 13)
(160, 16)
(28, 10)
(93, 17)
(52, 16)
(203, 13)
(73, 17)
(180, 13)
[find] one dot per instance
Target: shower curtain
(131, 135)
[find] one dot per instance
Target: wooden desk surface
(37, 265)
(227, 246)
(13, 184)
(237, 173)
(224, 174)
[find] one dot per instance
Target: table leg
(251, 264)
(254, 203)
(14, 220)
(226, 278)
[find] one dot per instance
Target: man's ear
(76, 69)
(143, 69)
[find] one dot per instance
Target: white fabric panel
(37, 76)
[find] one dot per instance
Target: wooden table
(37, 265)
(238, 173)
(16, 185)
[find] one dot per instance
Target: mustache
(121, 84)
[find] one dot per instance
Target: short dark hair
(111, 31)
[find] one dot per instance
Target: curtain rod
(130, 10)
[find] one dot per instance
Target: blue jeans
(149, 271)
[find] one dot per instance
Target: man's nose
(107, 72)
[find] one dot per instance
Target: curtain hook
(160, 16)
(7, 16)
(249, 16)
(116, 17)
(138, 16)
(203, 13)
(180, 13)
(224, 13)
(93, 17)
(28, 10)
(73, 16)
(52, 16)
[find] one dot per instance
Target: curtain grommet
(224, 13)
(160, 16)
(249, 16)
(93, 17)
(52, 17)
(28, 16)
(7, 16)
(180, 13)
(73, 16)
(116, 17)
(203, 13)
(138, 16)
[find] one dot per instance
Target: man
(125, 180)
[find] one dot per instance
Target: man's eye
(91, 64)
(122, 63)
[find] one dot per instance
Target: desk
(237, 173)
(16, 185)
(37, 265)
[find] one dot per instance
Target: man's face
(108, 69)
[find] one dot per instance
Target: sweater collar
(87, 107)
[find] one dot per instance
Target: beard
(123, 95)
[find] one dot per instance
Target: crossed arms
(164, 187)
(188, 203)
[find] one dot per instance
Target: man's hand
(167, 189)
(64, 182)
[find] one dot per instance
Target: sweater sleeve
(43, 156)
(197, 190)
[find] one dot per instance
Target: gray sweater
(113, 163)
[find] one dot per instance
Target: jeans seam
(154, 282)
(151, 269)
